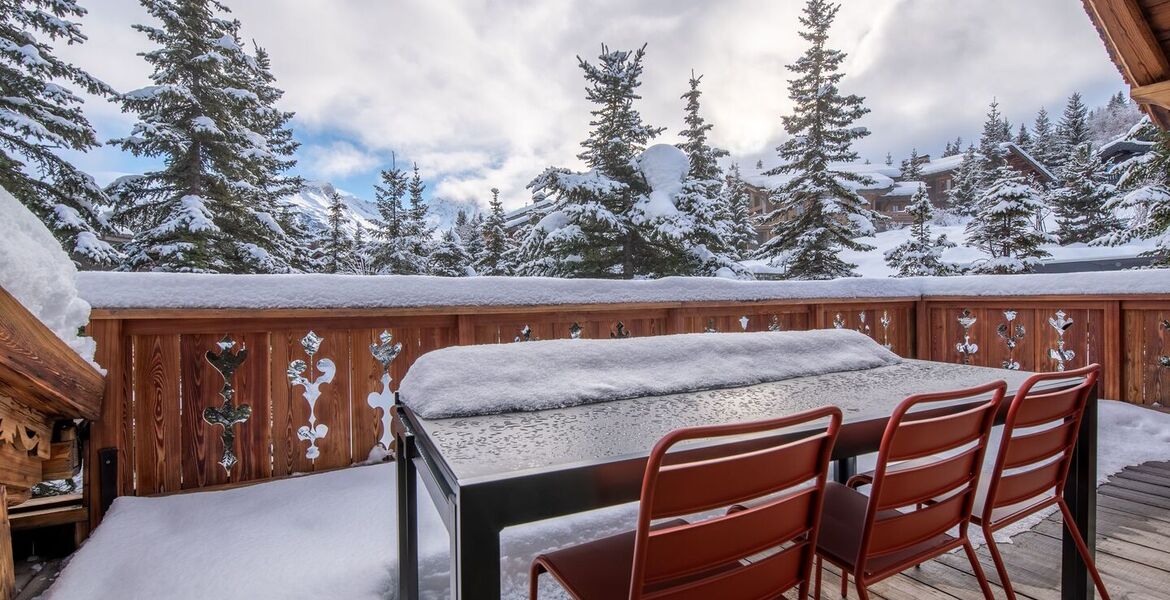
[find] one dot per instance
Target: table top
(501, 445)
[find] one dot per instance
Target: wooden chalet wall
(159, 381)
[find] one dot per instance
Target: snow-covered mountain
(313, 203)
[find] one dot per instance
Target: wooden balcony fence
(160, 381)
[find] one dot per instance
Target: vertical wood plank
(332, 407)
(115, 428)
(158, 436)
(7, 566)
(366, 377)
(201, 383)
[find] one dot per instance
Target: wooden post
(107, 431)
(921, 330)
(1113, 358)
(465, 327)
(7, 567)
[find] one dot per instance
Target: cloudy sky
(484, 93)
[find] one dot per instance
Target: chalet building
(888, 193)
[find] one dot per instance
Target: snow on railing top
(104, 290)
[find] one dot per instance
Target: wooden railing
(160, 382)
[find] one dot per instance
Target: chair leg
(862, 592)
(844, 583)
(1000, 567)
(1082, 548)
(817, 578)
(534, 580)
(977, 569)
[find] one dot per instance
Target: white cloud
(337, 159)
(489, 93)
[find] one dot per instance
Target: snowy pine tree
(450, 258)
(954, 148)
(1005, 225)
(39, 116)
(1043, 146)
(1023, 137)
(335, 243)
(1113, 120)
(498, 252)
(211, 207)
(419, 233)
(818, 210)
(590, 227)
(1073, 130)
(394, 250)
(1080, 200)
(708, 226)
(921, 254)
(963, 197)
(472, 235)
(995, 133)
(1145, 193)
(743, 238)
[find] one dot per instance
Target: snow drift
(469, 380)
(40, 275)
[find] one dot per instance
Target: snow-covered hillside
(313, 202)
(873, 264)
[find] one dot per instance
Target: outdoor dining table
(485, 473)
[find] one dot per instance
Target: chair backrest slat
(1032, 465)
(947, 453)
(687, 488)
(760, 579)
(924, 437)
(728, 538)
(1032, 448)
(903, 530)
(781, 479)
(917, 484)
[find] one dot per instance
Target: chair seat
(600, 569)
(842, 523)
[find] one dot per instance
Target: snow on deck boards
(109, 290)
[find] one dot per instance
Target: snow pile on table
(469, 380)
(40, 275)
(189, 290)
(333, 535)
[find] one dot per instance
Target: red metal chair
(759, 552)
(1033, 462)
(923, 455)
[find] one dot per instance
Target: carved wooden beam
(40, 370)
(1157, 94)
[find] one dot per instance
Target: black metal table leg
(407, 517)
(1080, 493)
(844, 468)
(476, 553)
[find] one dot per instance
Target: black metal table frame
(476, 511)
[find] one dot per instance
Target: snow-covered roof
(881, 176)
(109, 290)
(905, 188)
(941, 165)
(35, 270)
(1016, 149)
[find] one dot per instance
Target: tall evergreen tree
(1023, 137)
(1145, 193)
(743, 238)
(419, 232)
(963, 197)
(450, 258)
(818, 212)
(588, 228)
(395, 250)
(498, 251)
(995, 133)
(201, 211)
(1043, 146)
(335, 247)
(706, 238)
(1082, 196)
(40, 116)
(1005, 225)
(954, 148)
(921, 254)
(912, 167)
(1073, 130)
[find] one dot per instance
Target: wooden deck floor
(1133, 551)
